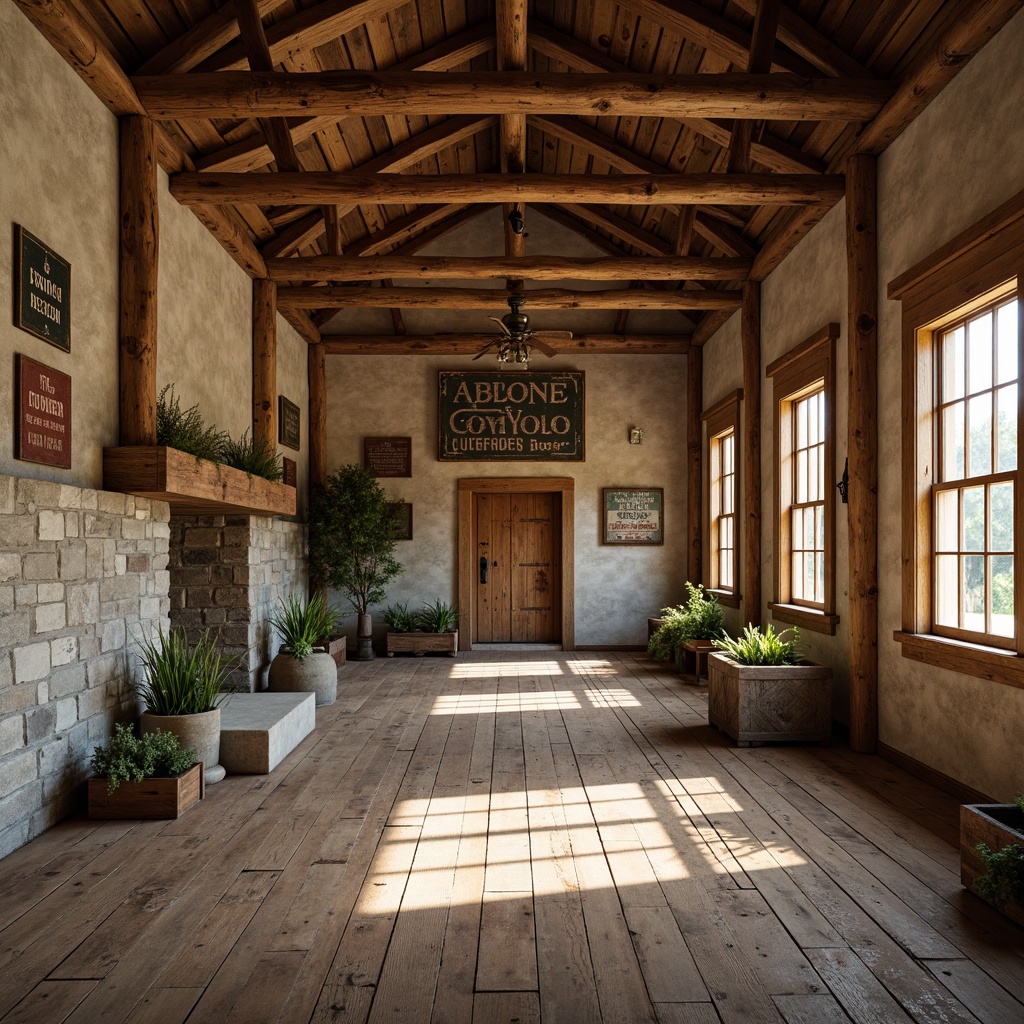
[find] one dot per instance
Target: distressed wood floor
(516, 837)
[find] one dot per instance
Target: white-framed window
(723, 495)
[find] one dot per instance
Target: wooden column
(317, 415)
(750, 326)
(694, 477)
(264, 360)
(862, 449)
(140, 250)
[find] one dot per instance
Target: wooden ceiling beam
(622, 229)
(402, 231)
(759, 61)
(533, 268)
(470, 344)
(348, 93)
(362, 296)
(510, 33)
(567, 220)
(285, 188)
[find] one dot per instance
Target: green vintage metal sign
(511, 417)
(43, 303)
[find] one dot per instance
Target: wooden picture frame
(388, 456)
(632, 515)
(289, 423)
(42, 290)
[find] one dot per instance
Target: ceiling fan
(516, 340)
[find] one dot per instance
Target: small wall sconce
(844, 485)
(515, 220)
(636, 435)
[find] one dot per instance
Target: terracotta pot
(200, 732)
(316, 673)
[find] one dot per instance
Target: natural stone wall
(227, 573)
(83, 575)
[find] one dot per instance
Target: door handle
(483, 568)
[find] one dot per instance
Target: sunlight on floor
(612, 699)
(507, 669)
(491, 703)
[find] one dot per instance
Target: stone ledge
(258, 730)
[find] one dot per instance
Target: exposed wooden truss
(470, 344)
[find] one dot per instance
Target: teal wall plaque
(42, 304)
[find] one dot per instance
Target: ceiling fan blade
(501, 324)
(545, 349)
(483, 351)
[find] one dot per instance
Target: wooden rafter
(510, 25)
(347, 93)
(470, 344)
(759, 61)
(624, 189)
(535, 268)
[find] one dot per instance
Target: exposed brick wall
(83, 574)
(227, 573)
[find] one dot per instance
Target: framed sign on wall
(388, 456)
(632, 515)
(43, 426)
(42, 305)
(288, 423)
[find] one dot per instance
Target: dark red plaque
(288, 465)
(43, 427)
(388, 456)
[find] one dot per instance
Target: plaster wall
(616, 588)
(958, 161)
(58, 179)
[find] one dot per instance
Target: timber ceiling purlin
(324, 143)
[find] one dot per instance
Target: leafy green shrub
(399, 619)
(437, 617)
(129, 758)
(181, 678)
(699, 619)
(255, 456)
(301, 624)
(763, 647)
(186, 430)
(1003, 881)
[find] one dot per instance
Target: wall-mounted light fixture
(636, 435)
(844, 485)
(515, 220)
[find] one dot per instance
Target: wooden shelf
(193, 486)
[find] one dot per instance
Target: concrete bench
(258, 730)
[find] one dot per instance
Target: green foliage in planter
(353, 530)
(1003, 880)
(182, 678)
(131, 758)
(301, 624)
(186, 430)
(763, 647)
(255, 456)
(699, 619)
(399, 619)
(437, 617)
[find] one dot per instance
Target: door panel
(493, 598)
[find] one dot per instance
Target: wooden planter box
(423, 643)
(336, 647)
(193, 486)
(996, 825)
(761, 703)
(159, 797)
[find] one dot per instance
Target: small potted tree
(760, 688)
(688, 628)
(352, 537)
(298, 667)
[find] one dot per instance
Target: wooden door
(518, 568)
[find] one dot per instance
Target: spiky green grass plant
(180, 678)
(186, 430)
(301, 624)
(763, 647)
(255, 456)
(437, 617)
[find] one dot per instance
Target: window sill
(968, 659)
(729, 598)
(805, 618)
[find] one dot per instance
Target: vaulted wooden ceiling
(325, 142)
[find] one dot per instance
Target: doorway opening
(516, 544)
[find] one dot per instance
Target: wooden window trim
(721, 417)
(965, 273)
(795, 372)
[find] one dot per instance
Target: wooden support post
(317, 415)
(862, 448)
(140, 251)
(264, 361)
(751, 481)
(694, 476)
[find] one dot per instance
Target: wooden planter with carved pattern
(423, 643)
(765, 703)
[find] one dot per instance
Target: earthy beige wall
(958, 161)
(616, 588)
(293, 383)
(58, 179)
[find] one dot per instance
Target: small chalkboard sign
(388, 456)
(42, 304)
(43, 426)
(288, 423)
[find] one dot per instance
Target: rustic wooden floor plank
(508, 944)
(506, 1008)
(52, 1001)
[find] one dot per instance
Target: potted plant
(433, 629)
(689, 627)
(760, 688)
(181, 689)
(352, 537)
(299, 667)
(992, 855)
(143, 777)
